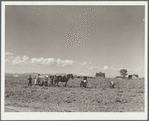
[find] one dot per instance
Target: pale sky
(75, 39)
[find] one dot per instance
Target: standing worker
(46, 80)
(35, 83)
(112, 84)
(30, 81)
(38, 79)
(85, 81)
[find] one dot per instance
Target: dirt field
(127, 96)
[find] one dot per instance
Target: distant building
(100, 75)
(134, 76)
(15, 76)
(129, 76)
(119, 77)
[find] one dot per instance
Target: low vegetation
(127, 96)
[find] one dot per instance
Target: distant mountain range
(33, 74)
(21, 73)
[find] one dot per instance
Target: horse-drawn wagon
(42, 81)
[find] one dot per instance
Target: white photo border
(77, 115)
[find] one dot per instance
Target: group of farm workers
(37, 81)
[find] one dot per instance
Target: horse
(60, 78)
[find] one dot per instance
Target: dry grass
(127, 96)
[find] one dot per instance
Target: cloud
(81, 64)
(51, 62)
(65, 62)
(62, 63)
(105, 67)
(92, 67)
(43, 61)
(112, 68)
(8, 57)
(9, 54)
(12, 59)
(19, 60)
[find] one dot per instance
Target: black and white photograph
(74, 60)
